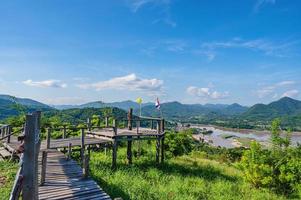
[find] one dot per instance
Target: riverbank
(247, 131)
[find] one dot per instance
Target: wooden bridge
(47, 173)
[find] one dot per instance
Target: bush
(178, 143)
(278, 168)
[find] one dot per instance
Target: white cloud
(280, 49)
(206, 93)
(45, 83)
(260, 3)
(135, 5)
(271, 89)
(291, 93)
(129, 82)
(286, 83)
(163, 5)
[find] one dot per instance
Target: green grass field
(185, 177)
(7, 177)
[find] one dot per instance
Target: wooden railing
(5, 132)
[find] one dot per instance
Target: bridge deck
(64, 181)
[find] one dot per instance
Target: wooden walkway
(64, 178)
(64, 181)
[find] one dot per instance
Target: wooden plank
(64, 181)
(4, 153)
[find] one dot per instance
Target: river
(217, 137)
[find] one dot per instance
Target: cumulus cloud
(45, 83)
(206, 93)
(291, 93)
(129, 82)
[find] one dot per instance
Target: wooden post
(130, 118)
(129, 150)
(89, 124)
(37, 115)
(30, 186)
(107, 122)
(152, 124)
(158, 150)
(114, 154)
(9, 132)
(43, 167)
(86, 166)
(158, 126)
(162, 149)
(115, 125)
(69, 151)
(82, 150)
(162, 140)
(64, 132)
(48, 138)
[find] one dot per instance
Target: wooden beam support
(69, 151)
(129, 150)
(162, 149)
(86, 166)
(30, 185)
(48, 138)
(43, 167)
(114, 154)
(158, 150)
(82, 152)
(130, 119)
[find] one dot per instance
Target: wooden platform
(64, 181)
(123, 133)
(75, 141)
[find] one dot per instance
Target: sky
(191, 51)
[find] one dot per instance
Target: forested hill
(176, 110)
(12, 106)
(284, 107)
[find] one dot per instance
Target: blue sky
(72, 52)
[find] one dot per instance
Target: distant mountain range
(171, 110)
(176, 110)
(125, 105)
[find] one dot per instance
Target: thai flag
(157, 104)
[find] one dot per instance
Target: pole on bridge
(30, 160)
(115, 145)
(129, 138)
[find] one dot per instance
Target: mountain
(25, 102)
(283, 107)
(125, 105)
(176, 110)
(11, 106)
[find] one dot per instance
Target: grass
(186, 177)
(246, 142)
(7, 177)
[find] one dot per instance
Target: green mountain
(283, 107)
(12, 106)
(125, 105)
(176, 110)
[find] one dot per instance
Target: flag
(139, 100)
(157, 104)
